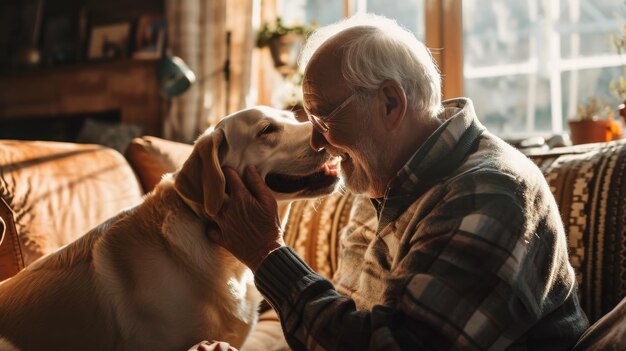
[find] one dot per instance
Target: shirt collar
(457, 117)
(440, 154)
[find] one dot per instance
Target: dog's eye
(268, 129)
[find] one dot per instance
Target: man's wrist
(254, 265)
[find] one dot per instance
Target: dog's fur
(148, 278)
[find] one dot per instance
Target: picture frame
(109, 41)
(149, 37)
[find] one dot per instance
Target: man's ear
(395, 102)
(200, 182)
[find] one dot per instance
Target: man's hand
(248, 221)
(212, 346)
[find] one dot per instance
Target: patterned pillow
(312, 229)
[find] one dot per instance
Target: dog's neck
(180, 223)
(167, 184)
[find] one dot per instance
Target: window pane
(586, 26)
(498, 32)
(324, 11)
(596, 82)
(540, 58)
(409, 14)
(504, 107)
(308, 11)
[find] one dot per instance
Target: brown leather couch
(51, 193)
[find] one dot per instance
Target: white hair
(383, 51)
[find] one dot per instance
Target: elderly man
(469, 252)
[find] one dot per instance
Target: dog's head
(271, 140)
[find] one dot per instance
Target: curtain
(198, 32)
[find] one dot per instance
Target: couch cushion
(152, 157)
(56, 192)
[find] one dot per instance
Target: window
(408, 13)
(528, 64)
(525, 64)
(302, 11)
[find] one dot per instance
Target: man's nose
(318, 141)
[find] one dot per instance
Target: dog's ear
(200, 182)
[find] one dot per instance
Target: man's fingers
(221, 346)
(234, 184)
(257, 185)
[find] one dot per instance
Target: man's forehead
(324, 67)
(321, 90)
(318, 82)
(323, 73)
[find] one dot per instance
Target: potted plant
(594, 122)
(284, 42)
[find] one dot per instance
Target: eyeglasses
(320, 124)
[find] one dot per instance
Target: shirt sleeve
(313, 315)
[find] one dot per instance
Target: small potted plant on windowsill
(284, 43)
(594, 122)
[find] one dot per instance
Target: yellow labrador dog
(148, 278)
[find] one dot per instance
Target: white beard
(357, 171)
(364, 172)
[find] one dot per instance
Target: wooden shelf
(76, 67)
(129, 86)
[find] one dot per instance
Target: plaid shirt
(469, 253)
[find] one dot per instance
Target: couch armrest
(55, 192)
(589, 184)
(11, 259)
